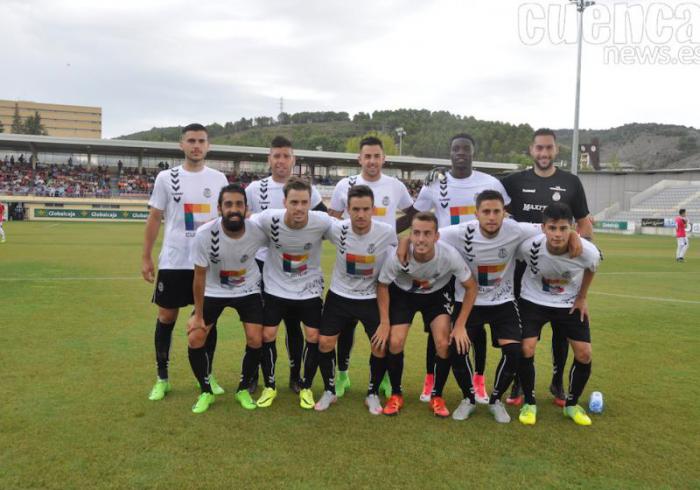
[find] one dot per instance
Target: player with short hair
(681, 235)
(184, 196)
(488, 245)
(293, 280)
(531, 191)
(554, 289)
(226, 276)
(390, 195)
(265, 194)
(362, 245)
(423, 284)
(452, 196)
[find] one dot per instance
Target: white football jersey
(188, 200)
(425, 277)
(359, 258)
(454, 200)
(231, 268)
(390, 194)
(293, 265)
(268, 194)
(554, 280)
(491, 260)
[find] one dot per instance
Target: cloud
(167, 62)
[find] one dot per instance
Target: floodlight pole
(401, 132)
(580, 6)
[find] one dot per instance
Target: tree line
(30, 125)
(427, 132)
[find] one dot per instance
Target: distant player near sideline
(390, 196)
(362, 245)
(265, 194)
(2, 219)
(226, 276)
(452, 196)
(293, 281)
(489, 245)
(681, 236)
(186, 197)
(531, 191)
(423, 284)
(554, 289)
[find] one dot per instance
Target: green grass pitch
(76, 366)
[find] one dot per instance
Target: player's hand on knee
(381, 336)
(459, 337)
(581, 305)
(196, 332)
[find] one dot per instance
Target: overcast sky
(156, 62)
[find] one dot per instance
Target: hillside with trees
(427, 132)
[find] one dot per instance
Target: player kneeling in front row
(362, 244)
(423, 284)
(554, 290)
(226, 275)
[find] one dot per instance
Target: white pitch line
(647, 298)
(77, 278)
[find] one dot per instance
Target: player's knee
(254, 338)
(269, 335)
(528, 347)
(582, 353)
(442, 347)
(196, 338)
(326, 344)
(379, 353)
(311, 335)
(167, 315)
(396, 343)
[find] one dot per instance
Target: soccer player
(531, 191)
(423, 284)
(452, 196)
(2, 219)
(390, 195)
(186, 197)
(362, 245)
(293, 280)
(226, 275)
(265, 194)
(489, 245)
(554, 289)
(681, 236)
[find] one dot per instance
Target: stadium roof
(157, 149)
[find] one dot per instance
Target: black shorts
(534, 317)
(340, 313)
(308, 311)
(173, 288)
(503, 319)
(249, 308)
(451, 285)
(403, 305)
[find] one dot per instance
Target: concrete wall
(57, 119)
(604, 189)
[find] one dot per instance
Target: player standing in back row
(267, 194)
(390, 195)
(186, 197)
(453, 197)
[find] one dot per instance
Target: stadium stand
(663, 200)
